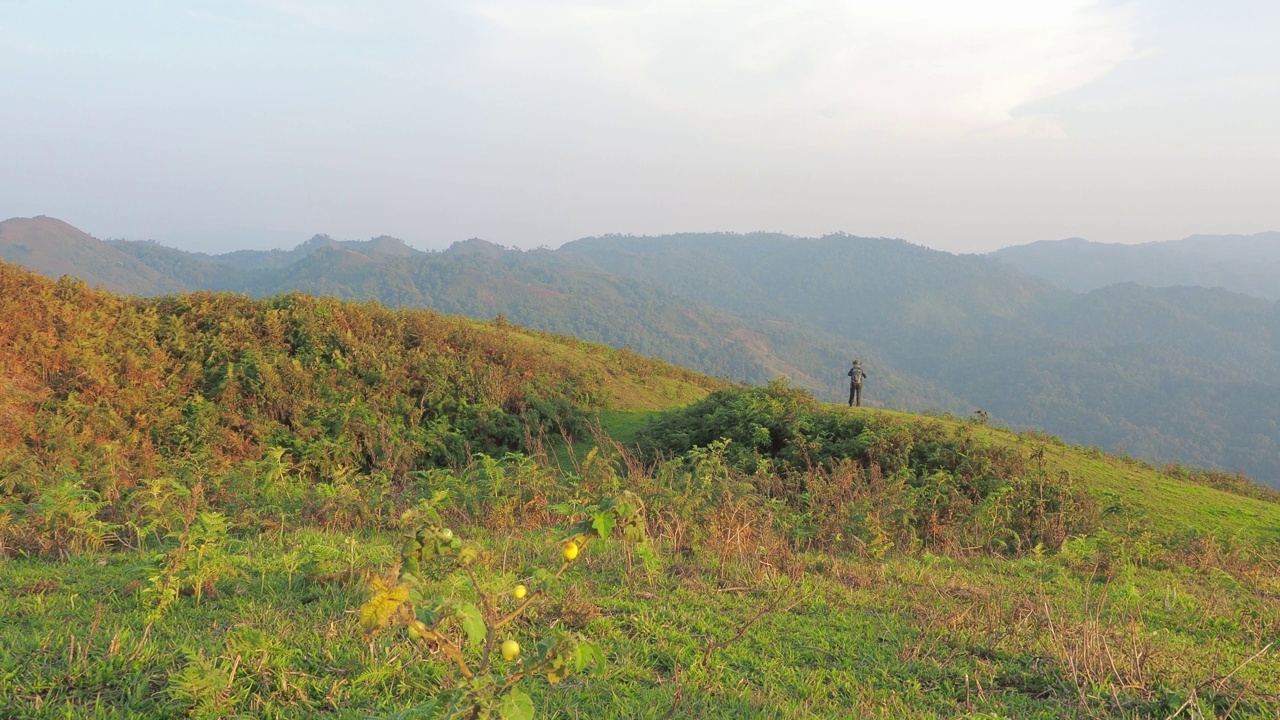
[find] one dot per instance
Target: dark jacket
(856, 374)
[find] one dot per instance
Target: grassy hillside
(102, 392)
(212, 506)
(1156, 612)
(553, 291)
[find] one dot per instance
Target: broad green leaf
(557, 668)
(472, 622)
(468, 553)
(603, 523)
(515, 705)
(589, 655)
(633, 531)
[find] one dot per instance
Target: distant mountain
(194, 269)
(1248, 264)
(873, 292)
(1184, 374)
(54, 248)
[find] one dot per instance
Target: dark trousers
(855, 394)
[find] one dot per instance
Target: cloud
(831, 71)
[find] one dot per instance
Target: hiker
(856, 377)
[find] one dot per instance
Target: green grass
(926, 637)
(1132, 492)
(622, 425)
(1165, 602)
(1107, 627)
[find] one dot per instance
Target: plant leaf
(603, 523)
(472, 622)
(382, 604)
(589, 655)
(515, 705)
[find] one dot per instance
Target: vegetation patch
(216, 507)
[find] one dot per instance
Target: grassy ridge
(103, 392)
(197, 491)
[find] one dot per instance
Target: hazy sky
(966, 126)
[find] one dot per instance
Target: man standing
(856, 376)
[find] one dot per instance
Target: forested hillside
(1248, 264)
(1184, 375)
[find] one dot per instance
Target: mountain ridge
(1247, 264)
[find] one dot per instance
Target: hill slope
(1184, 374)
(125, 388)
(54, 248)
(823, 562)
(540, 290)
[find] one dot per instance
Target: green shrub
(849, 481)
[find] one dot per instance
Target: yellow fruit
(417, 629)
(446, 534)
(510, 650)
(570, 550)
(520, 592)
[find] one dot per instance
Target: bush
(847, 480)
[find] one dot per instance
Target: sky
(965, 126)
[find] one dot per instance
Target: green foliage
(902, 637)
(207, 685)
(845, 478)
(761, 423)
(259, 458)
(148, 409)
(489, 687)
(508, 492)
(64, 518)
(199, 559)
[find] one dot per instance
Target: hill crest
(55, 248)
